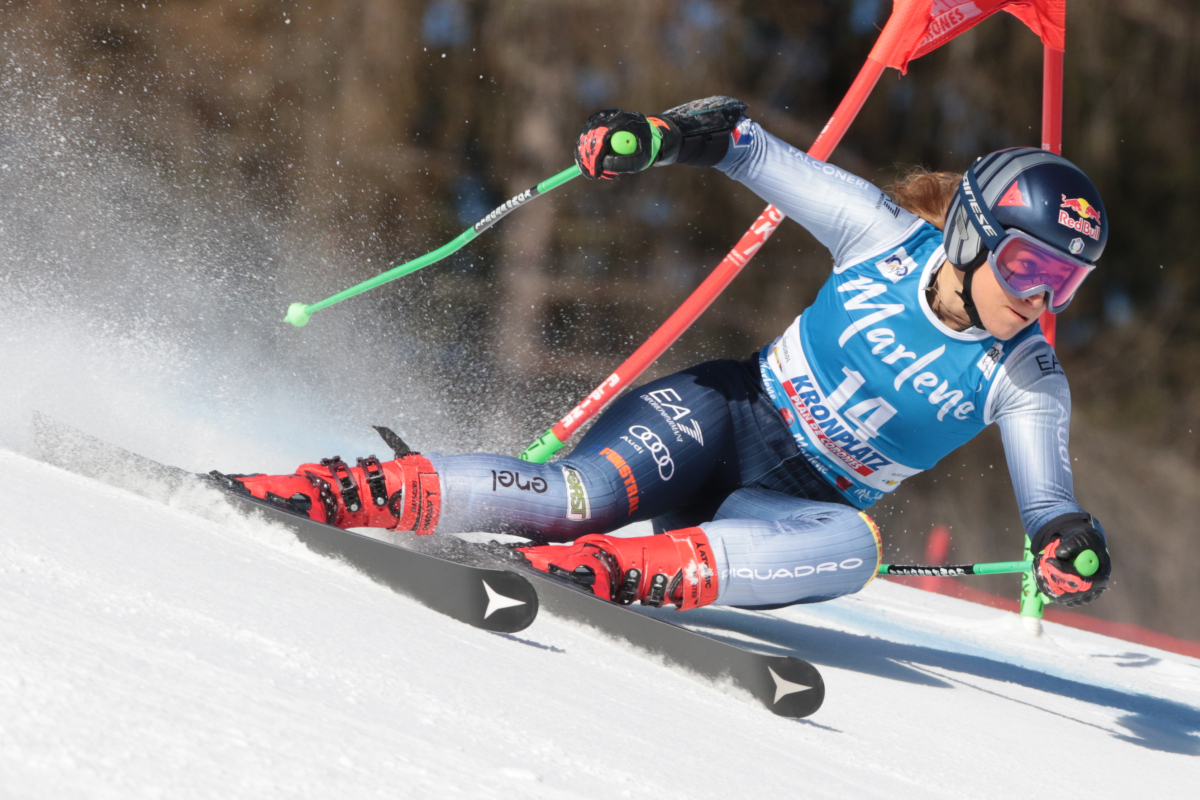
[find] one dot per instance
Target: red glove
(594, 151)
(695, 133)
(1070, 559)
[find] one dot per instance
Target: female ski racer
(757, 474)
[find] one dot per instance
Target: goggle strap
(969, 301)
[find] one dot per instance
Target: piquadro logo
(658, 450)
(801, 571)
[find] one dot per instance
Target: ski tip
(508, 602)
(793, 688)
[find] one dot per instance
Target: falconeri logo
(579, 507)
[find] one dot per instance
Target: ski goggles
(1025, 267)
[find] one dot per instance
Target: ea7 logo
(693, 430)
(668, 404)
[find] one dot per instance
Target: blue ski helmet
(1030, 190)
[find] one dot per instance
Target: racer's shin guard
(404, 494)
(675, 567)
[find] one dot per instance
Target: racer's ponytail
(926, 193)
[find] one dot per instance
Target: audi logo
(658, 450)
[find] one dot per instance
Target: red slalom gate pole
(937, 551)
(1052, 109)
(552, 440)
(1031, 604)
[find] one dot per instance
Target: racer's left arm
(1031, 402)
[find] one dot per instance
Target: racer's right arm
(847, 214)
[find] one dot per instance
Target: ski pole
(950, 571)
(1086, 564)
(299, 313)
(890, 42)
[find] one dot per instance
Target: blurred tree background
(385, 127)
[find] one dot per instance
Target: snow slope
(182, 650)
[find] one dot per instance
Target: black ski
(787, 686)
(487, 597)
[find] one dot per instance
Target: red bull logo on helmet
(1086, 211)
(1081, 207)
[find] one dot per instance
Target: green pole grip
(541, 450)
(1087, 563)
(623, 143)
(1033, 602)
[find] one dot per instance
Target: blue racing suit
(776, 457)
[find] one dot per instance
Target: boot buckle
(627, 592)
(375, 480)
(345, 480)
(657, 592)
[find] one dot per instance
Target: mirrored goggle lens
(1027, 268)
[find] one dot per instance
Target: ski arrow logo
(783, 687)
(497, 601)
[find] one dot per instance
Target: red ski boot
(399, 495)
(676, 566)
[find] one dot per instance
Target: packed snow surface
(183, 650)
